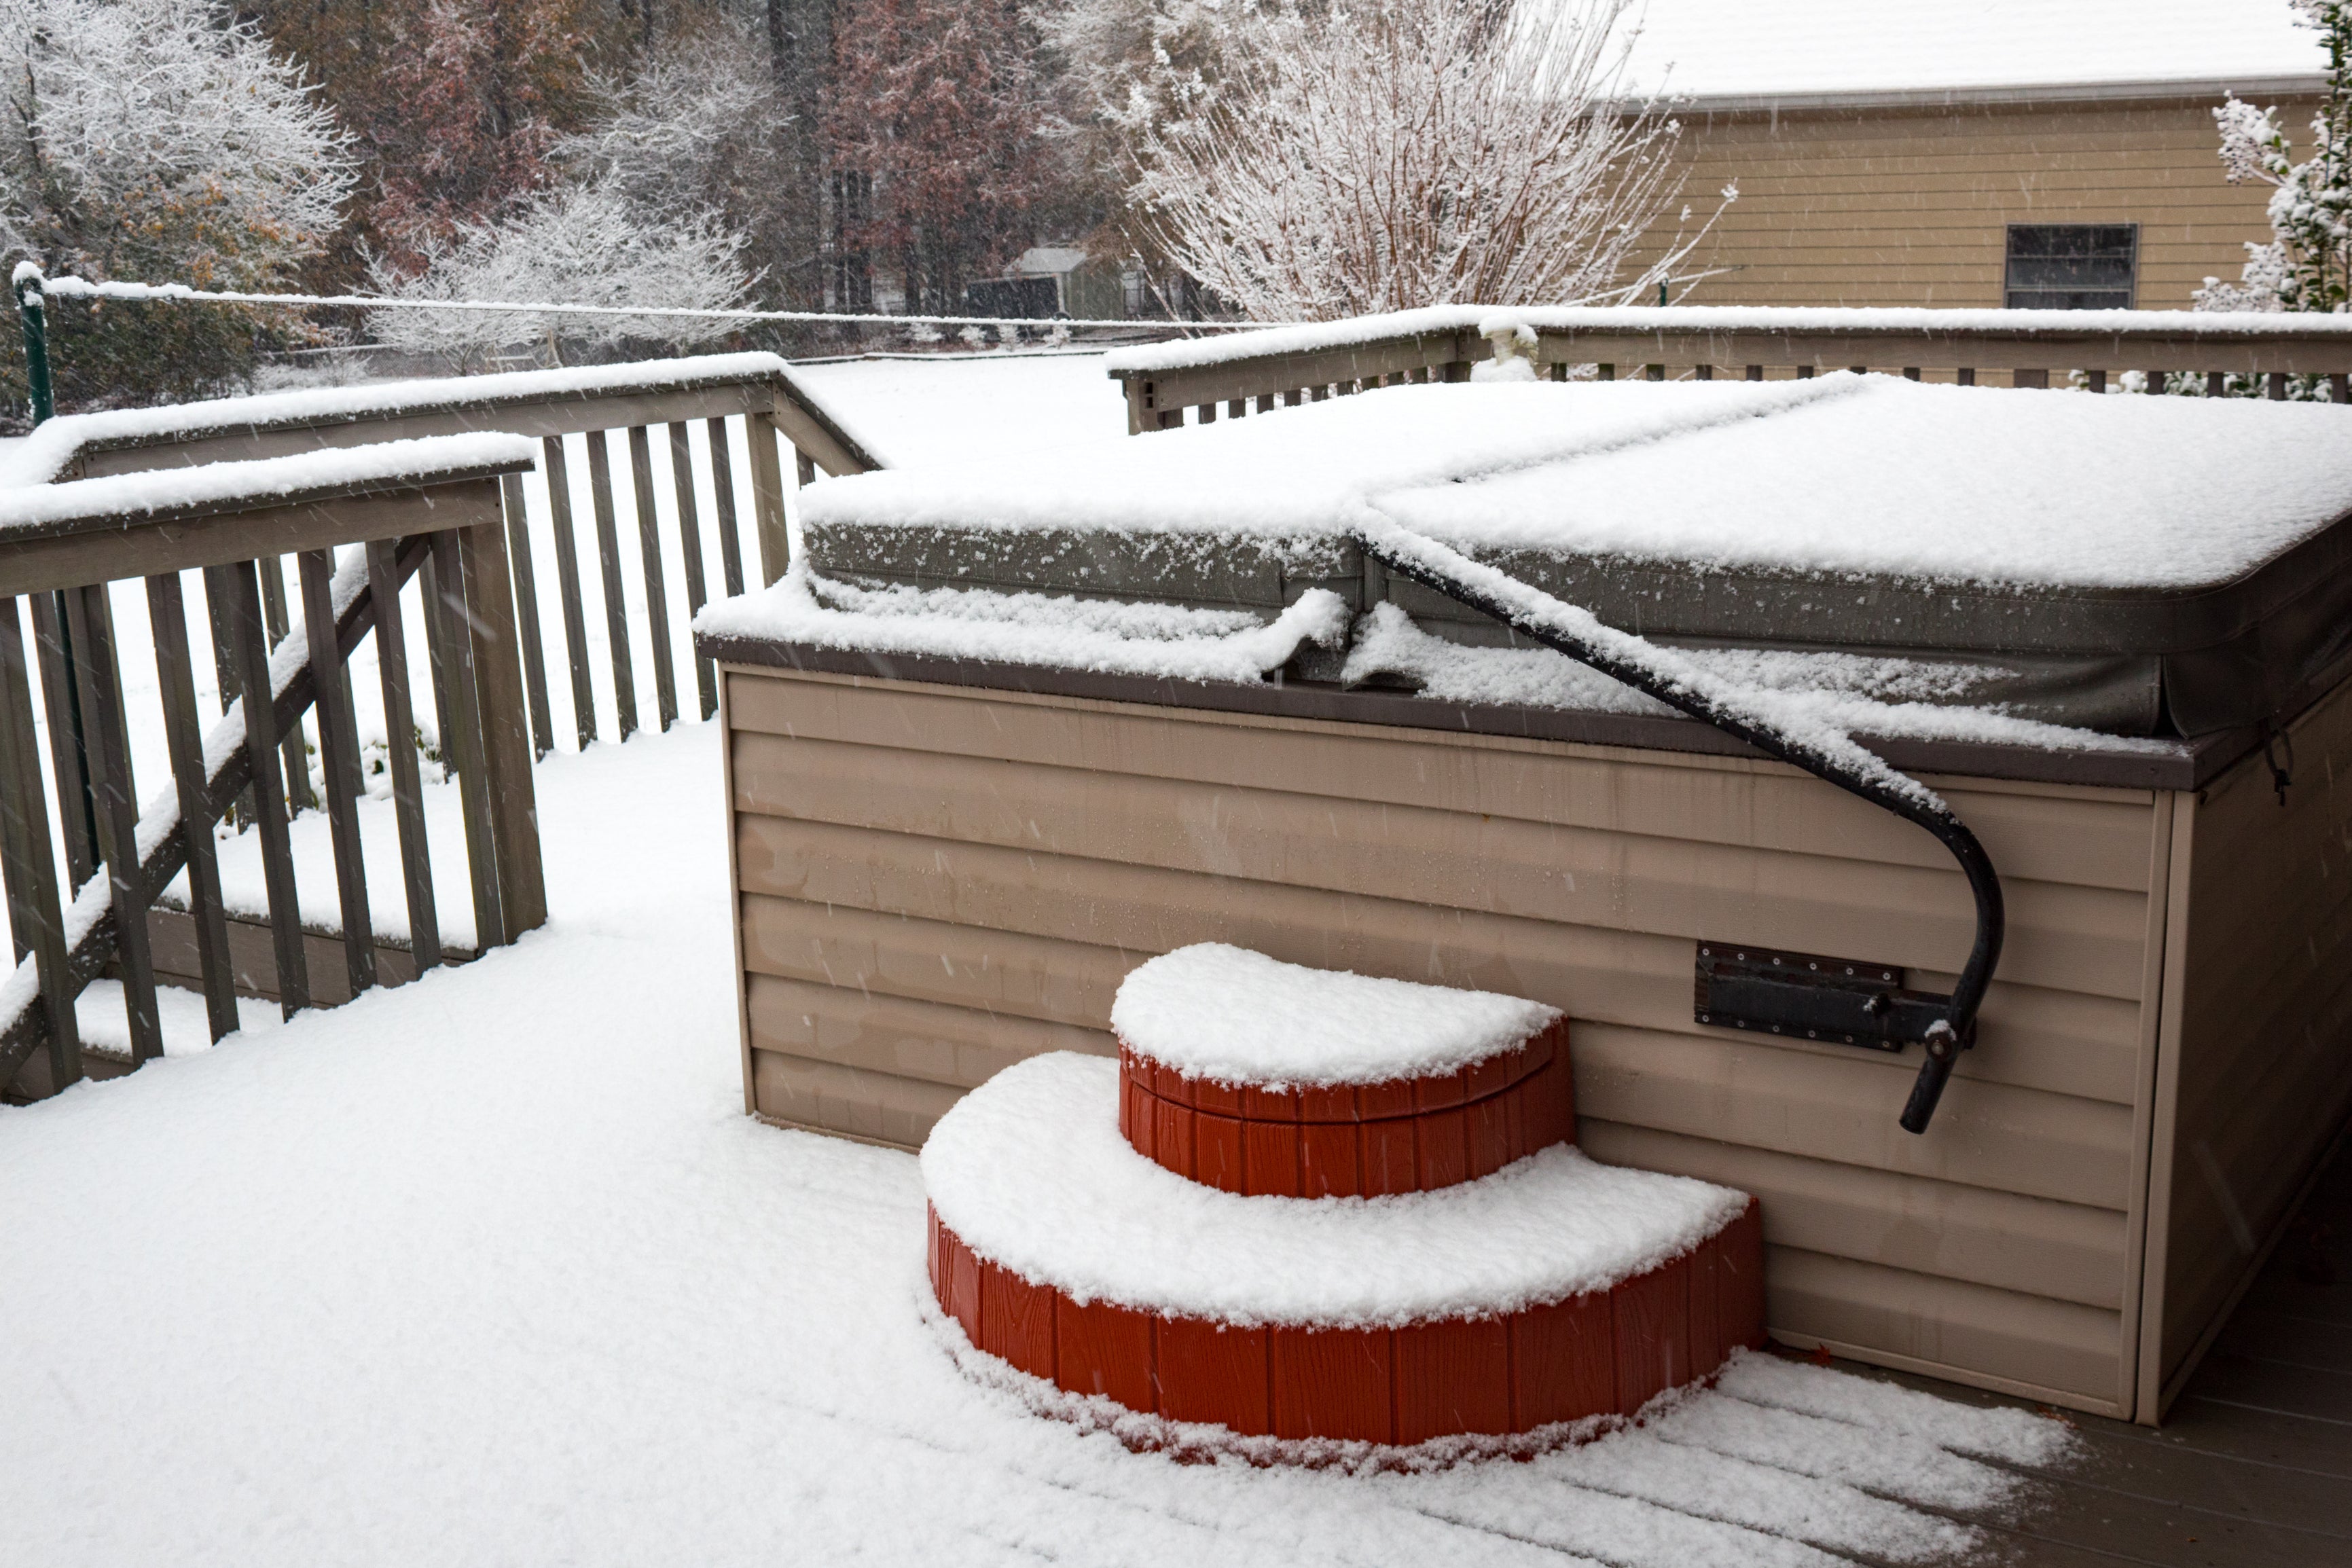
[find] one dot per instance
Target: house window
(2072, 267)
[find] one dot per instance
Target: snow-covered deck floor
(493, 1269)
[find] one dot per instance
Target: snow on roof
(1040, 260)
(43, 455)
(1713, 49)
(379, 465)
(1235, 1015)
(1031, 1171)
(1839, 474)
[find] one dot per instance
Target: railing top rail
(2115, 330)
(85, 530)
(122, 501)
(342, 416)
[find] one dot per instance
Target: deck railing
(431, 509)
(1256, 372)
(476, 542)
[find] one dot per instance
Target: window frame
(2008, 257)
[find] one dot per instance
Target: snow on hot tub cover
(1225, 1013)
(1843, 474)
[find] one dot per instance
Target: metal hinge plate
(1805, 996)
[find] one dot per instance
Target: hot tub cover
(2113, 562)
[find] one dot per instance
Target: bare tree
(1416, 152)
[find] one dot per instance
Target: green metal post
(31, 310)
(32, 313)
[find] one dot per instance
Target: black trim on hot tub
(2187, 765)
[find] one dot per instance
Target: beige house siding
(1888, 205)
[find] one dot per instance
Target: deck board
(2253, 1466)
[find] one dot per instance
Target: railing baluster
(767, 496)
(167, 612)
(722, 494)
(534, 657)
(641, 478)
(407, 800)
(216, 612)
(567, 583)
(240, 586)
(690, 543)
(69, 758)
(35, 913)
(299, 794)
(91, 620)
(339, 763)
(608, 559)
(2216, 383)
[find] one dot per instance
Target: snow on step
(1552, 1292)
(1271, 1080)
(1225, 1013)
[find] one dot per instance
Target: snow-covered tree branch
(157, 140)
(1410, 152)
(2307, 263)
(578, 244)
(160, 139)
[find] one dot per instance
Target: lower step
(1554, 1291)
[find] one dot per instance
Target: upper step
(1269, 1079)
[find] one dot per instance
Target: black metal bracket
(1952, 1029)
(1804, 996)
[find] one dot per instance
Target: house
(1971, 152)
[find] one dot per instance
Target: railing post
(32, 313)
(493, 739)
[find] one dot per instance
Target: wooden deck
(2253, 1466)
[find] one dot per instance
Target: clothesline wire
(83, 289)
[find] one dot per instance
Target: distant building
(1972, 153)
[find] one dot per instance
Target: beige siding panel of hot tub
(2068, 1251)
(2091, 938)
(2099, 840)
(2264, 1074)
(935, 881)
(1934, 1324)
(2033, 1037)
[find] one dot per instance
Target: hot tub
(1000, 737)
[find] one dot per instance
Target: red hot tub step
(1601, 1353)
(1553, 1290)
(1351, 1140)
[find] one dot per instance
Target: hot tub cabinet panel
(935, 880)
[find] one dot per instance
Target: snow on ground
(987, 412)
(493, 1269)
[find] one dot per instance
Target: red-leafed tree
(478, 93)
(935, 104)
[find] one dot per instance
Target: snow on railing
(2151, 351)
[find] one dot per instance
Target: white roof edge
(2198, 89)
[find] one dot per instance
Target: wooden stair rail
(1256, 372)
(440, 504)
